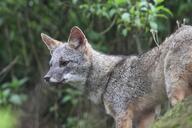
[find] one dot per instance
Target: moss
(180, 116)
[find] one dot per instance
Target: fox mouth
(53, 81)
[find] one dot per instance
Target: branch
(155, 37)
(8, 67)
(108, 28)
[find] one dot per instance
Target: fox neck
(99, 74)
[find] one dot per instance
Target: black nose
(47, 78)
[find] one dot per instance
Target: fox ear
(50, 42)
(77, 39)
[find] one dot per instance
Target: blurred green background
(111, 26)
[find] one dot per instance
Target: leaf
(15, 99)
(5, 85)
(138, 22)
(124, 32)
(158, 1)
(162, 16)
(23, 81)
(166, 10)
(125, 17)
(153, 25)
(74, 1)
(6, 93)
(84, 6)
(144, 8)
(17, 83)
(66, 99)
(119, 2)
(112, 12)
(143, 4)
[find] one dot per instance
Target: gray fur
(117, 82)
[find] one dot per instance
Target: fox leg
(178, 91)
(124, 120)
(177, 84)
(146, 120)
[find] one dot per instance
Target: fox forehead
(65, 52)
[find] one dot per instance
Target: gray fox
(130, 88)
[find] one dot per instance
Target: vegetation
(7, 120)
(177, 117)
(112, 26)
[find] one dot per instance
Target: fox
(130, 88)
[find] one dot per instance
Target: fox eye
(63, 63)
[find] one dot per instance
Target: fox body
(130, 87)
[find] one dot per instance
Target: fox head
(70, 61)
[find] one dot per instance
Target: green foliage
(71, 96)
(129, 15)
(11, 92)
(178, 117)
(7, 119)
(85, 121)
